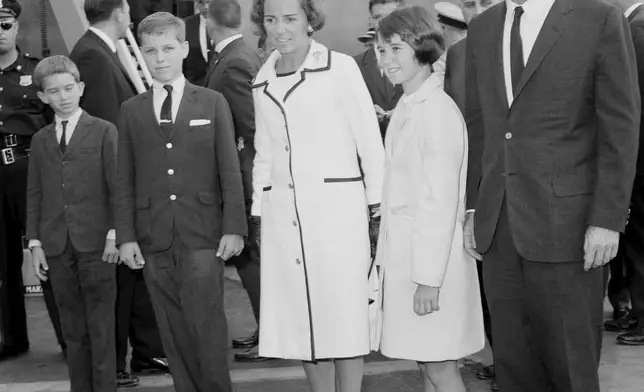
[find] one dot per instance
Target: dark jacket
(202, 195)
(232, 75)
(562, 157)
(195, 66)
(71, 195)
(455, 73)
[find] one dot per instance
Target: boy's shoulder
(206, 92)
(96, 122)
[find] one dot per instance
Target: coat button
(504, 174)
(290, 186)
(294, 223)
(286, 149)
(508, 135)
(173, 197)
(170, 171)
(298, 262)
(169, 145)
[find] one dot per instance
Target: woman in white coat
(315, 130)
(431, 301)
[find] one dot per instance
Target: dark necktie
(211, 50)
(166, 112)
(63, 138)
(516, 49)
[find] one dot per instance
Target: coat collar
(426, 89)
(80, 132)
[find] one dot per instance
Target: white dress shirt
(222, 45)
(159, 94)
(72, 121)
(203, 37)
(105, 38)
(535, 13)
(630, 9)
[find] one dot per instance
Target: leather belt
(10, 155)
(12, 140)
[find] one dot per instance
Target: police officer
(22, 114)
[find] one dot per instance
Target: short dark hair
(311, 9)
(261, 42)
(162, 22)
(54, 65)
(97, 11)
(373, 3)
(226, 13)
(415, 26)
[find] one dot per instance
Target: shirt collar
(177, 86)
(222, 45)
(531, 7)
(71, 121)
(105, 38)
(630, 9)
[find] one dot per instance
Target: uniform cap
(10, 7)
(450, 14)
(369, 36)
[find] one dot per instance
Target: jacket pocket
(267, 188)
(210, 213)
(342, 179)
(573, 185)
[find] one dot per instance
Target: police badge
(25, 80)
(240, 144)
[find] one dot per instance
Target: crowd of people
(470, 170)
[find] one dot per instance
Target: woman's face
(286, 25)
(398, 60)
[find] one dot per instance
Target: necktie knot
(168, 88)
(518, 12)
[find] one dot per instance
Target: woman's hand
(426, 300)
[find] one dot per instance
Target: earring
(310, 29)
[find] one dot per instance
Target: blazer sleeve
(236, 88)
(617, 103)
(442, 141)
(227, 166)
(100, 98)
(637, 32)
(474, 121)
(124, 200)
(263, 159)
(34, 193)
(110, 140)
(363, 122)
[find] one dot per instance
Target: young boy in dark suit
(180, 206)
(70, 224)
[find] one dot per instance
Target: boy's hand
(110, 254)
(131, 255)
(230, 245)
(39, 262)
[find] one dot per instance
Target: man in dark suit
(384, 95)
(632, 251)
(553, 111)
(180, 206)
(107, 86)
(231, 73)
(455, 87)
(195, 66)
(72, 181)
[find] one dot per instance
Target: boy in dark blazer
(70, 209)
(180, 206)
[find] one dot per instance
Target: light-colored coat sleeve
(442, 141)
(263, 157)
(364, 125)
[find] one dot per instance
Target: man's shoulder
(206, 94)
(360, 57)
(245, 58)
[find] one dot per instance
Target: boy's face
(164, 54)
(62, 92)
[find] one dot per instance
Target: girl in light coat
(314, 122)
(431, 306)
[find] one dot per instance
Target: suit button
(508, 136)
(169, 145)
(290, 186)
(286, 148)
(294, 223)
(170, 171)
(504, 174)
(298, 262)
(63, 186)
(173, 197)
(66, 206)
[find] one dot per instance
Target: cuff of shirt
(111, 235)
(34, 243)
(468, 211)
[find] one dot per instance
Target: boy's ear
(185, 46)
(43, 97)
(81, 86)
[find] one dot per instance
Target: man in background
(195, 66)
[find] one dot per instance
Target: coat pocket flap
(207, 197)
(573, 185)
(142, 202)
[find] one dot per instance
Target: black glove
(374, 228)
(254, 229)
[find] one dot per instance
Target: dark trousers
(13, 215)
(547, 320)
(633, 241)
(135, 319)
(617, 277)
(487, 320)
(187, 290)
(85, 290)
(248, 268)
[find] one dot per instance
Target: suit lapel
(148, 114)
(53, 140)
(80, 132)
(553, 27)
(635, 12)
(496, 56)
(216, 59)
(184, 114)
(114, 56)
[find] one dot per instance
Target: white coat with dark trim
(308, 190)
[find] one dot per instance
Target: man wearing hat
(452, 22)
(22, 114)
